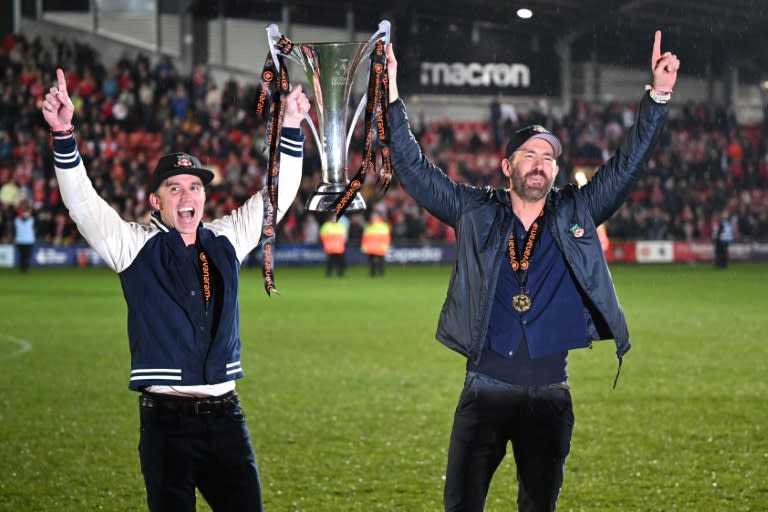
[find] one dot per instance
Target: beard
(530, 192)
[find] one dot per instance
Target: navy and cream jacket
(483, 220)
(168, 343)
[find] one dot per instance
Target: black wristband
(63, 133)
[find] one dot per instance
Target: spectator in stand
(693, 150)
(180, 103)
(310, 229)
(497, 130)
(10, 192)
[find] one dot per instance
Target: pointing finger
(656, 53)
(62, 80)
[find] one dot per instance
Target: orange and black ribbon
(206, 278)
(270, 104)
(520, 268)
(375, 123)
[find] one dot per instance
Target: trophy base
(325, 195)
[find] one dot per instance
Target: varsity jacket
(164, 303)
(482, 219)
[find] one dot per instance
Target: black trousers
(375, 265)
(537, 420)
(721, 254)
(187, 443)
(25, 256)
(335, 263)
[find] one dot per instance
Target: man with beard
(530, 283)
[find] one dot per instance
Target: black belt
(189, 405)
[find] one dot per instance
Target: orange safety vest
(376, 239)
(334, 237)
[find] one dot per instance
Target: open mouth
(187, 213)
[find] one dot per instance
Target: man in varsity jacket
(180, 280)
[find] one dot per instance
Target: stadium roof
(706, 34)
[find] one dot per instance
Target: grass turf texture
(350, 399)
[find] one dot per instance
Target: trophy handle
(274, 35)
(384, 31)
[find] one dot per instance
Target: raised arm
(429, 186)
(614, 180)
(243, 225)
(115, 240)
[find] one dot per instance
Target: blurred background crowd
(130, 111)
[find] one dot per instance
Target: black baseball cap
(174, 164)
(534, 131)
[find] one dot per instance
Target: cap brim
(553, 141)
(205, 175)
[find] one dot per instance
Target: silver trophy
(330, 69)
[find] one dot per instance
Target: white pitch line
(24, 346)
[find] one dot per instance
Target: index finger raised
(62, 80)
(656, 53)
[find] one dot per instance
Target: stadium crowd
(130, 111)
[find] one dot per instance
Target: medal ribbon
(375, 110)
(205, 276)
(274, 89)
(520, 268)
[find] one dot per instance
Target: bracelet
(658, 96)
(63, 133)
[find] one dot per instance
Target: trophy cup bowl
(330, 69)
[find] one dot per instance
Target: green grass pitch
(350, 399)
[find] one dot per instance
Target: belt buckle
(206, 409)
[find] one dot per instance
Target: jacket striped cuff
(65, 154)
(291, 141)
(156, 374)
(234, 368)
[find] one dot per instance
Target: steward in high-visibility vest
(376, 239)
(333, 235)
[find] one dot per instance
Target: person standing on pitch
(333, 236)
(722, 237)
(180, 281)
(375, 243)
(530, 283)
(24, 234)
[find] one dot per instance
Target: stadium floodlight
(524, 13)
